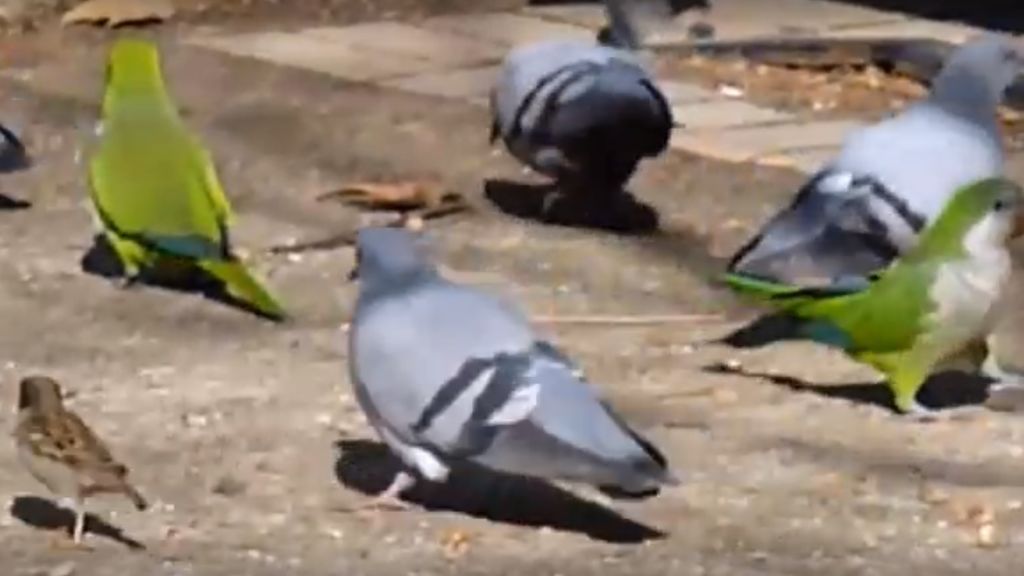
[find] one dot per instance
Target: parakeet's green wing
(150, 183)
(886, 317)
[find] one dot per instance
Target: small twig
(328, 243)
(627, 320)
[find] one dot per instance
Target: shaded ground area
(1002, 15)
(245, 435)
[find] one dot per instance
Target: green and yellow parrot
(931, 309)
(154, 187)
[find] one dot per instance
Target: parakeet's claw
(127, 281)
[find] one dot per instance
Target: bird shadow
(101, 260)
(13, 156)
(368, 467)
(45, 515)
(943, 390)
(625, 215)
(11, 204)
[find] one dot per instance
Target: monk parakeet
(931, 309)
(154, 187)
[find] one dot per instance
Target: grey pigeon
(13, 155)
(448, 373)
(582, 113)
(891, 179)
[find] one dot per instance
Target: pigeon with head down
(448, 373)
(585, 114)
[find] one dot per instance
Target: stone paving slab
(310, 53)
(912, 28)
(508, 29)
(721, 113)
(457, 56)
(364, 52)
(587, 15)
(412, 42)
(471, 84)
(807, 161)
(678, 93)
(765, 144)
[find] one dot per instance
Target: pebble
(65, 569)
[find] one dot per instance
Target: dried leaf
(429, 198)
(118, 12)
(455, 543)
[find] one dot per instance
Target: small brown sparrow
(60, 451)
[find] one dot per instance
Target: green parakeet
(154, 187)
(931, 309)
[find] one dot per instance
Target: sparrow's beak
(353, 275)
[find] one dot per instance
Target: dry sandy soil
(245, 435)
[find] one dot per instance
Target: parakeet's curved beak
(1018, 224)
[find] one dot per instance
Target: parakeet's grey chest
(967, 294)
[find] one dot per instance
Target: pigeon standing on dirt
(446, 373)
(891, 179)
(581, 113)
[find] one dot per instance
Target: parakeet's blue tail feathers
(240, 284)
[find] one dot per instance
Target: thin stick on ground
(626, 320)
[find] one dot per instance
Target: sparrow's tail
(136, 497)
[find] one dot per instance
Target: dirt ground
(245, 435)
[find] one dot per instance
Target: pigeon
(581, 113)
(63, 453)
(890, 180)
(13, 155)
(448, 373)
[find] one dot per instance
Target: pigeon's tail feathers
(617, 455)
(646, 471)
(839, 225)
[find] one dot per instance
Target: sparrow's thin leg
(79, 522)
